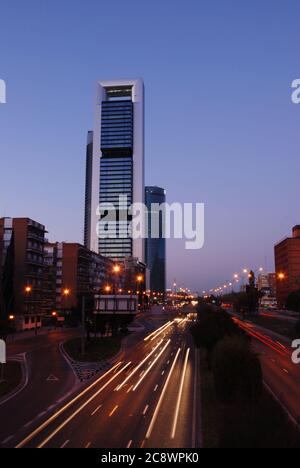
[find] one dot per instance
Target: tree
(212, 326)
(293, 301)
(253, 294)
(237, 372)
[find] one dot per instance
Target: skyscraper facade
(156, 246)
(115, 167)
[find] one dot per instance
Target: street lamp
(29, 290)
(139, 280)
(281, 276)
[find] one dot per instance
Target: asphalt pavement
(151, 398)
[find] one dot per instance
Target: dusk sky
(220, 125)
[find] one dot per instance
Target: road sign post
(2, 358)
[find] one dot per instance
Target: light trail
(276, 346)
(65, 407)
(73, 415)
(113, 411)
(137, 367)
(154, 417)
(156, 331)
(150, 367)
(180, 394)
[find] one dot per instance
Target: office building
(73, 271)
(156, 246)
(22, 271)
(287, 265)
(115, 166)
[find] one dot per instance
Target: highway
(280, 374)
(151, 398)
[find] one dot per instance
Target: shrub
(212, 326)
(237, 372)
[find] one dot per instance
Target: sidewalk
(24, 335)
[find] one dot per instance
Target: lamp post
(28, 291)
(65, 294)
(116, 271)
(139, 280)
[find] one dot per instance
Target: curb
(24, 381)
(95, 367)
(295, 421)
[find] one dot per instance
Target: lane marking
(7, 439)
(64, 444)
(64, 408)
(156, 387)
(143, 444)
(150, 367)
(180, 394)
(96, 410)
(28, 424)
(163, 372)
(88, 445)
(145, 410)
(113, 411)
(154, 417)
(286, 371)
(137, 367)
(157, 332)
(73, 415)
(129, 444)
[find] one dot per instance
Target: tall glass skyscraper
(156, 247)
(115, 165)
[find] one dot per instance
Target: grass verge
(12, 378)
(279, 326)
(97, 349)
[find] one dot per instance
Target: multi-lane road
(280, 373)
(150, 398)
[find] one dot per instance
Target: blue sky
(220, 125)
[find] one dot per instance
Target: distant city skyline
(220, 125)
